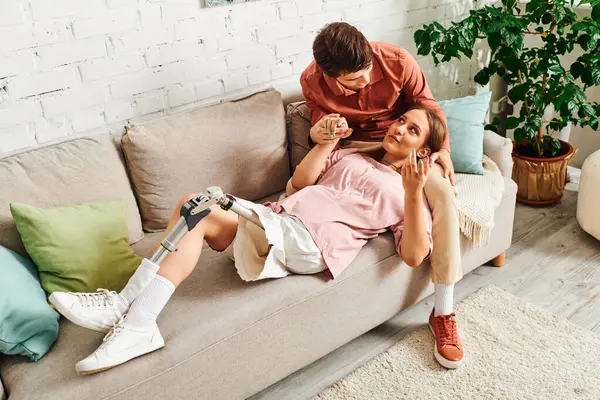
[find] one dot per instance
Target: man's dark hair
(341, 49)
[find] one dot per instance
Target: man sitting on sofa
(355, 90)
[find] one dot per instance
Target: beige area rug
(514, 350)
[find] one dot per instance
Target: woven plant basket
(541, 181)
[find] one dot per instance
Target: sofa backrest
(85, 169)
(239, 146)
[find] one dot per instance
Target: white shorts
(284, 247)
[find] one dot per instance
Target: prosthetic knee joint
(193, 211)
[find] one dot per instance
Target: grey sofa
(226, 339)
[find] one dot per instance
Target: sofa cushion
(84, 169)
(299, 124)
(466, 119)
(28, 325)
(239, 146)
(78, 248)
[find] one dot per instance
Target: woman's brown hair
(341, 49)
(438, 131)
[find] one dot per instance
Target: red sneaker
(448, 347)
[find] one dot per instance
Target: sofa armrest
(499, 149)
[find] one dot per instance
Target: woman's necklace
(397, 169)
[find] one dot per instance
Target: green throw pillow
(28, 325)
(466, 119)
(78, 248)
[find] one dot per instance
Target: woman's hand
(414, 243)
(414, 174)
(330, 129)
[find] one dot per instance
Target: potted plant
(537, 79)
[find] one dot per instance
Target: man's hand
(443, 158)
(414, 174)
(330, 128)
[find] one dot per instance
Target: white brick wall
(71, 67)
(43, 9)
(17, 62)
(22, 86)
(68, 53)
(106, 23)
(11, 12)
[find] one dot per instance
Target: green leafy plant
(535, 74)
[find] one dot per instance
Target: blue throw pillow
(28, 325)
(466, 119)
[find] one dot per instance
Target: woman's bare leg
(218, 229)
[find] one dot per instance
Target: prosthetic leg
(193, 211)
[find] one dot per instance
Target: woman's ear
(423, 152)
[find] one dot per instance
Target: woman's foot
(98, 311)
(448, 348)
(135, 334)
(101, 310)
(122, 343)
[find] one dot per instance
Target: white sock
(444, 297)
(138, 281)
(145, 308)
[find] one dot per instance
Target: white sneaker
(98, 311)
(121, 344)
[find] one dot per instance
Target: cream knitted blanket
(477, 197)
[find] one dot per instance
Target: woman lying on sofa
(344, 198)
